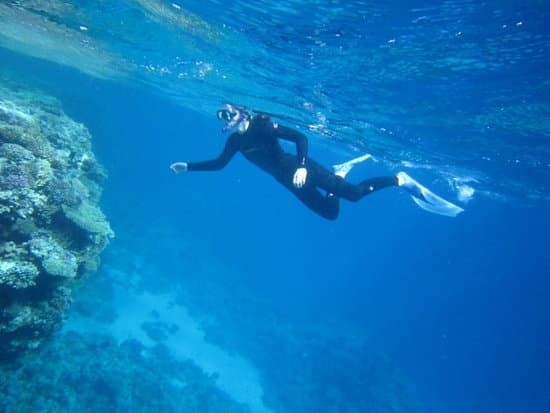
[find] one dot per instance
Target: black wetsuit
(260, 145)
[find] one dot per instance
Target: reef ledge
(52, 230)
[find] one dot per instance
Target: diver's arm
(230, 149)
(289, 134)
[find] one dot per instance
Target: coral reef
(327, 366)
(92, 373)
(51, 228)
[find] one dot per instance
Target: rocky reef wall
(52, 230)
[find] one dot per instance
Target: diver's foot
(425, 198)
(403, 179)
(342, 169)
(409, 184)
(400, 178)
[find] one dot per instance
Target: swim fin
(425, 198)
(342, 169)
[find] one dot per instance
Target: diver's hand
(300, 176)
(178, 167)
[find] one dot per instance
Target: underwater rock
(52, 230)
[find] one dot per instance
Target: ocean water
(387, 309)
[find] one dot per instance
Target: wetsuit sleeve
(232, 146)
(289, 134)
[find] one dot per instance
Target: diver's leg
(336, 185)
(421, 195)
(327, 206)
(368, 186)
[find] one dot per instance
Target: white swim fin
(342, 169)
(426, 199)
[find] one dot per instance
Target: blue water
(460, 305)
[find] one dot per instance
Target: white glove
(178, 167)
(300, 177)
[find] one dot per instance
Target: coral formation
(92, 373)
(51, 228)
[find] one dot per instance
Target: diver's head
(235, 117)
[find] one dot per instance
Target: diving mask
(235, 117)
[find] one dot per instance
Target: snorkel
(235, 117)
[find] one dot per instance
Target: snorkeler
(256, 137)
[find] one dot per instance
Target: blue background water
(460, 305)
